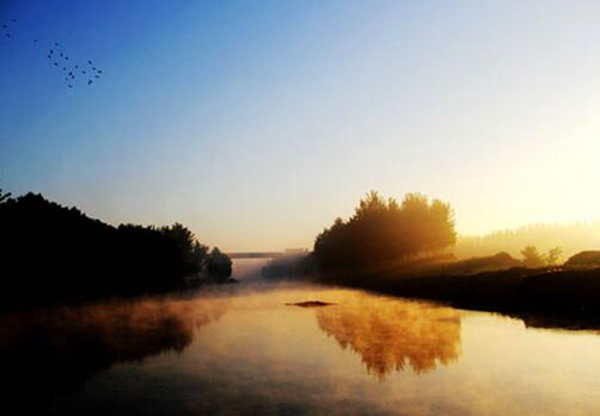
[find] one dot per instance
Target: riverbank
(541, 297)
(52, 254)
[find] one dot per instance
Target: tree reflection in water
(51, 352)
(391, 334)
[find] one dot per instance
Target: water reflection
(263, 357)
(392, 335)
(51, 352)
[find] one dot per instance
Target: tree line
(383, 230)
(49, 252)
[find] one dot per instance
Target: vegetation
(53, 253)
(532, 258)
(402, 249)
(572, 239)
(218, 264)
(383, 231)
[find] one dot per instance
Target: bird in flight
(58, 56)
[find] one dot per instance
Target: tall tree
(382, 230)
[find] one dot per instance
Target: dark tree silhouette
(4, 197)
(52, 253)
(218, 265)
(383, 231)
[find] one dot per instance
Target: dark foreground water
(239, 350)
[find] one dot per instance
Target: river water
(241, 350)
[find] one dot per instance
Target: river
(243, 350)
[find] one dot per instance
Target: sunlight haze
(256, 124)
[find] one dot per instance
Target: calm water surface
(239, 350)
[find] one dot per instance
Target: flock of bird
(70, 71)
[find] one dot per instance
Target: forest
(383, 231)
(52, 253)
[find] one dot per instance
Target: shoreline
(568, 299)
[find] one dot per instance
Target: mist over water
(239, 349)
(299, 208)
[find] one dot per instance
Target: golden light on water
(364, 353)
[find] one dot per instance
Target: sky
(257, 123)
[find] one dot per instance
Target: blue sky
(257, 123)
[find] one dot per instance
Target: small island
(310, 304)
